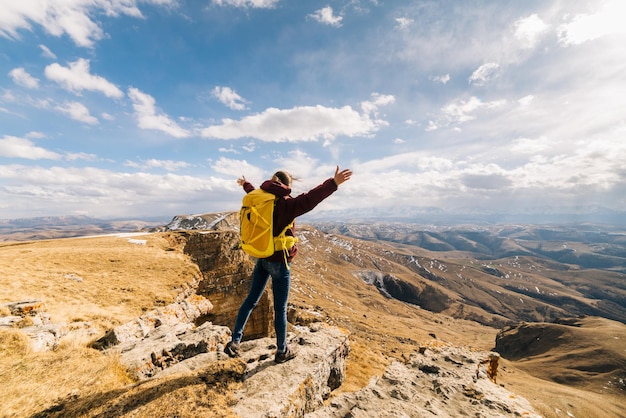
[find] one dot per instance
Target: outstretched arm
(247, 187)
(305, 202)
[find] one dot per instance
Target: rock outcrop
(226, 276)
(299, 386)
(188, 335)
(212, 242)
(31, 317)
(436, 381)
(200, 323)
(165, 336)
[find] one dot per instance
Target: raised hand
(342, 176)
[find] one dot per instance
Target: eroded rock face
(436, 381)
(226, 276)
(184, 313)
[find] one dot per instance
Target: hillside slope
(354, 284)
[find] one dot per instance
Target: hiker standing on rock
(276, 266)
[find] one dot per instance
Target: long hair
(283, 177)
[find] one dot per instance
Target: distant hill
(495, 275)
(477, 216)
(52, 227)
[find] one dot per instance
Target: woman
(276, 266)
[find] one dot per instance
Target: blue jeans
(280, 289)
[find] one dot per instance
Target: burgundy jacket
(289, 208)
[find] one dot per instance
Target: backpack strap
(285, 243)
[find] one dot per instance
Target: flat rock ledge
(164, 337)
(182, 313)
(296, 387)
(166, 346)
(436, 381)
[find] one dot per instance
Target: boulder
(45, 337)
(169, 345)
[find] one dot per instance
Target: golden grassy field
(105, 281)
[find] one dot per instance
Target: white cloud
(326, 16)
(461, 111)
(74, 156)
(45, 51)
(34, 191)
(77, 78)
(147, 117)
(378, 100)
(237, 168)
(587, 27)
(168, 165)
(484, 73)
(529, 30)
(77, 111)
(35, 135)
(70, 17)
(22, 78)
(8, 96)
(229, 97)
(443, 79)
(256, 4)
(592, 165)
(250, 146)
(14, 147)
(417, 160)
(403, 22)
(526, 100)
(303, 167)
(585, 168)
(306, 123)
(529, 146)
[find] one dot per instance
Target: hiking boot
(286, 356)
(232, 349)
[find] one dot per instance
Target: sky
(154, 108)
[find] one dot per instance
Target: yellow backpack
(256, 226)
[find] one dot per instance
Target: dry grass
(207, 393)
(32, 381)
(106, 281)
(557, 401)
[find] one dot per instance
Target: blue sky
(138, 108)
